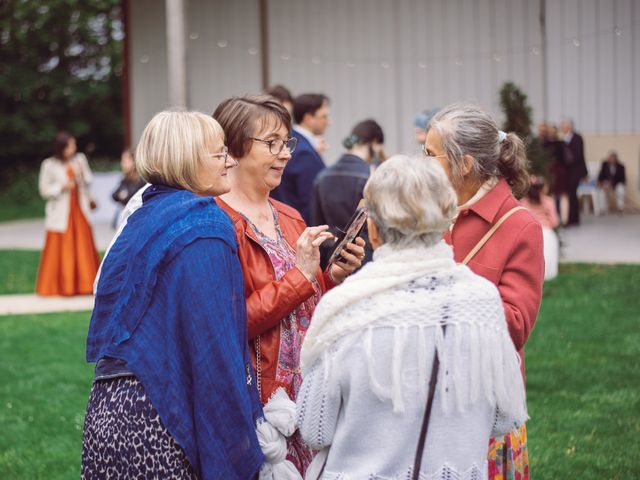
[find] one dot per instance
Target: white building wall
(593, 64)
(390, 59)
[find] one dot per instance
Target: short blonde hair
(410, 200)
(173, 146)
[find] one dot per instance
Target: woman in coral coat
(487, 168)
(69, 261)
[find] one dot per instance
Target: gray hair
(410, 200)
(467, 129)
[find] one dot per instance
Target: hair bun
(350, 141)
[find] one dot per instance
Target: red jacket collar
(489, 205)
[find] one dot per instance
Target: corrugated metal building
(390, 59)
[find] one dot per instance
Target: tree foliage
(518, 119)
(60, 68)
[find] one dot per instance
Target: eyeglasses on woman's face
(427, 154)
(224, 154)
(278, 144)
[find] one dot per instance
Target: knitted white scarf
(393, 291)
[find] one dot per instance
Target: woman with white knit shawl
(367, 358)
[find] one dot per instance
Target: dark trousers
(574, 203)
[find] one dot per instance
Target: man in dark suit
(577, 168)
(311, 116)
(612, 180)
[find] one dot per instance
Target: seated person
(612, 180)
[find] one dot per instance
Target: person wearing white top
(368, 355)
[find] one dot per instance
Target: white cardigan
(367, 359)
(53, 176)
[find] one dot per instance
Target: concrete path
(21, 304)
(29, 235)
(606, 239)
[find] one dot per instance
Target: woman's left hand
(352, 256)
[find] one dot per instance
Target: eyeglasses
(426, 154)
(224, 154)
(277, 144)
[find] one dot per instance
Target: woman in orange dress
(69, 261)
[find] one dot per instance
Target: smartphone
(348, 235)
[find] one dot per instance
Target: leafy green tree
(60, 68)
(518, 119)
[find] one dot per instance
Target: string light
(423, 63)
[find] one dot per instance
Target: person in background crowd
(131, 181)
(283, 95)
(612, 180)
(420, 123)
(279, 254)
(488, 169)
(410, 323)
(311, 115)
(69, 261)
(173, 393)
(559, 170)
(543, 209)
(577, 168)
(338, 189)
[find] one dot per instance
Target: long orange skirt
(69, 261)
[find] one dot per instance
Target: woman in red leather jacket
(279, 254)
(487, 167)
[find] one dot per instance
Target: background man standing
(311, 117)
(577, 168)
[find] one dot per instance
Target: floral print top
(294, 326)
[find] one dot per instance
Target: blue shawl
(170, 303)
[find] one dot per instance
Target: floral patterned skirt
(509, 457)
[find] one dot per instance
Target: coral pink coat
(512, 258)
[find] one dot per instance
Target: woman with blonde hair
(173, 394)
(425, 342)
(493, 234)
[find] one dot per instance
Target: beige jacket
(53, 176)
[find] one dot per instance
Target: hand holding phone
(348, 235)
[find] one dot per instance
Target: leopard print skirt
(124, 437)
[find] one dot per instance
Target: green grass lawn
(19, 269)
(44, 388)
(583, 375)
(19, 195)
(583, 379)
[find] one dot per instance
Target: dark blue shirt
(337, 192)
(170, 303)
(297, 179)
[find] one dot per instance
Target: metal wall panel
(223, 56)
(634, 32)
(588, 77)
(147, 63)
(623, 86)
(391, 59)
